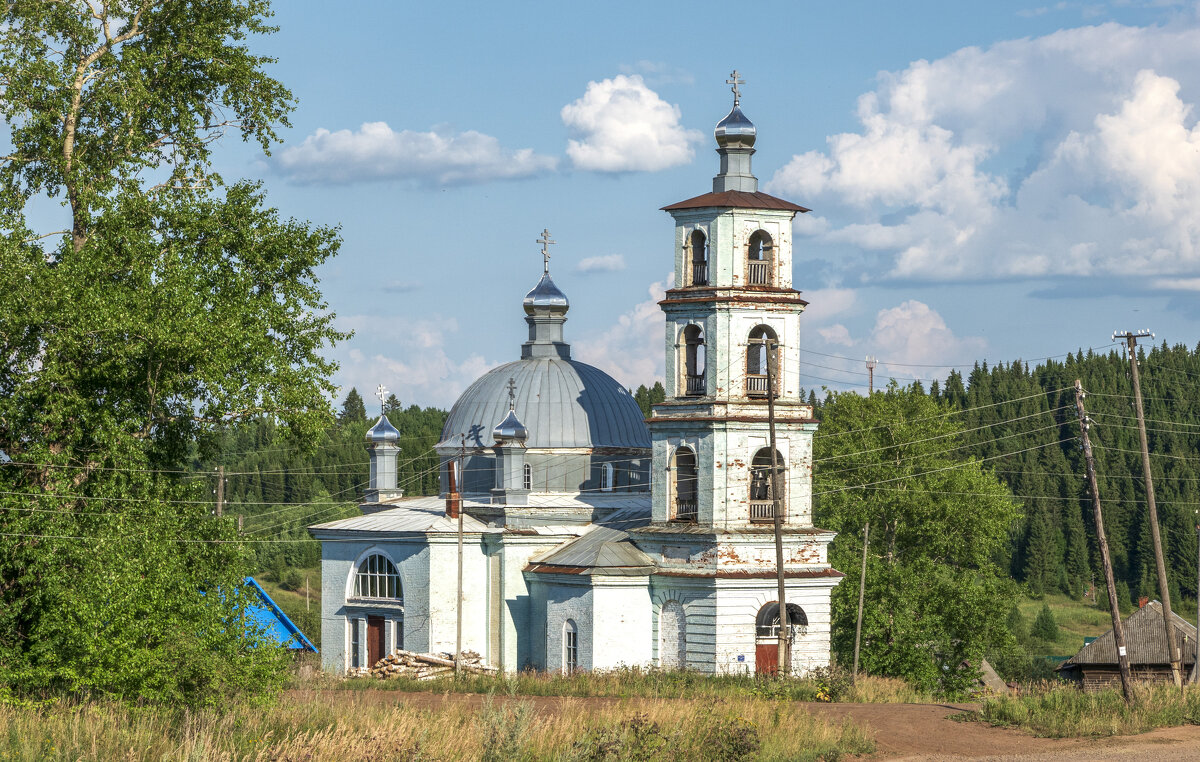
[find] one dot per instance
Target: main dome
(563, 403)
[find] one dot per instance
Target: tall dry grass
(1064, 711)
(347, 726)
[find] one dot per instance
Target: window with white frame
(570, 647)
(377, 578)
(398, 634)
(606, 477)
(355, 644)
(527, 476)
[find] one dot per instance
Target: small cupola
(383, 447)
(545, 312)
(735, 136)
(512, 472)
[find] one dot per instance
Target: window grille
(570, 647)
(527, 477)
(355, 645)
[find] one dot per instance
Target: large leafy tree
(165, 306)
(936, 598)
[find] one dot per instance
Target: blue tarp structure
(271, 618)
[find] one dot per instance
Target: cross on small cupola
(512, 393)
(736, 82)
(545, 242)
(381, 392)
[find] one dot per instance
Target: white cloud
(377, 152)
(660, 73)
(824, 303)
(607, 263)
(620, 125)
(414, 364)
(1073, 154)
(632, 350)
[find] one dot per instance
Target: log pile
(427, 666)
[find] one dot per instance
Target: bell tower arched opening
(683, 485)
(693, 361)
(760, 269)
(761, 341)
(762, 493)
(698, 266)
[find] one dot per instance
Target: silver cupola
(735, 136)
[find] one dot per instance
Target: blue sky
(988, 180)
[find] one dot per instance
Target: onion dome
(735, 130)
(546, 296)
(510, 429)
(383, 431)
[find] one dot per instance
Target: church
(583, 535)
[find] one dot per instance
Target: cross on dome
(735, 81)
(381, 393)
(545, 242)
(512, 393)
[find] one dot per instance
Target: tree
(354, 410)
(1044, 626)
(168, 306)
(935, 597)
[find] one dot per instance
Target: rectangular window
(398, 633)
(355, 645)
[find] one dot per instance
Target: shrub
(1044, 626)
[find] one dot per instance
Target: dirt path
(902, 731)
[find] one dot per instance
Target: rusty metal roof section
(737, 199)
(1145, 640)
(605, 550)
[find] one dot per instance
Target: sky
(989, 181)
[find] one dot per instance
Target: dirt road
(901, 731)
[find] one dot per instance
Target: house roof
(740, 199)
(1145, 641)
(267, 615)
(412, 516)
(604, 549)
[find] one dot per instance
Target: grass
(1076, 620)
(823, 685)
(350, 726)
(1064, 711)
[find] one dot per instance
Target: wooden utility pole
(871, 363)
(862, 586)
(220, 491)
(1102, 541)
(462, 460)
(782, 655)
(1164, 592)
(1195, 677)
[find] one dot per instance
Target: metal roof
(1145, 640)
(267, 614)
(604, 549)
(545, 295)
(563, 403)
(735, 130)
(383, 431)
(422, 516)
(739, 199)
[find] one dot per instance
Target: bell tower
(732, 316)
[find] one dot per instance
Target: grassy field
(1064, 711)
(311, 728)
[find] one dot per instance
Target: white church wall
(622, 614)
(567, 597)
(519, 646)
(442, 610)
(738, 604)
(698, 599)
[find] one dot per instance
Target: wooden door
(766, 658)
(376, 645)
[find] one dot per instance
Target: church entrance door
(766, 658)
(376, 645)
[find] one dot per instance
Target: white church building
(592, 537)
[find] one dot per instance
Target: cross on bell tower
(545, 241)
(735, 81)
(381, 393)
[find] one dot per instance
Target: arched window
(759, 260)
(766, 624)
(758, 344)
(570, 646)
(762, 503)
(527, 477)
(693, 361)
(606, 477)
(699, 251)
(684, 485)
(377, 578)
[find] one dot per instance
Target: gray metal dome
(563, 403)
(546, 296)
(383, 431)
(510, 428)
(735, 130)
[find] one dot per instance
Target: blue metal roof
(271, 618)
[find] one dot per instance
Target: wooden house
(1095, 666)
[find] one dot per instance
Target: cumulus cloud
(621, 125)
(1073, 154)
(413, 362)
(631, 351)
(608, 263)
(377, 152)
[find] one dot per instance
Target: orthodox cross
(545, 242)
(381, 393)
(737, 93)
(512, 393)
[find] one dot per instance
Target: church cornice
(736, 200)
(740, 296)
(735, 574)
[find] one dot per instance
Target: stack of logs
(428, 666)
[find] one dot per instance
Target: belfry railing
(695, 385)
(699, 273)
(685, 510)
(763, 511)
(758, 273)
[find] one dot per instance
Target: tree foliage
(168, 306)
(936, 598)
